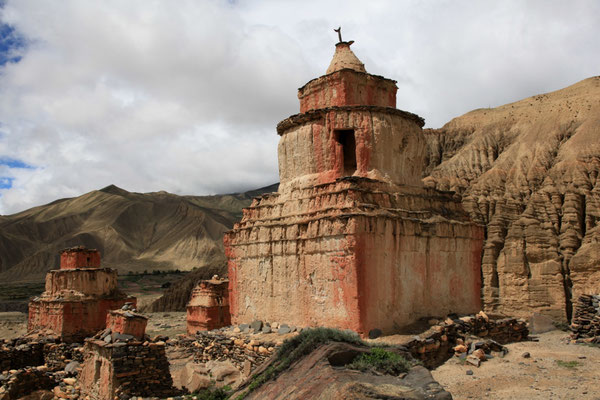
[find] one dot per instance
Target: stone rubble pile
(25, 352)
(15, 384)
(266, 327)
(585, 325)
(476, 351)
(27, 365)
(223, 345)
(439, 343)
(19, 353)
(58, 356)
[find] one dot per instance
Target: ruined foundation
(77, 297)
(352, 239)
(122, 363)
(208, 308)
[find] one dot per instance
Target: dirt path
(12, 324)
(555, 370)
(166, 323)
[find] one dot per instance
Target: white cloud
(184, 96)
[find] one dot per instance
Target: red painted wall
(347, 88)
(118, 322)
(80, 258)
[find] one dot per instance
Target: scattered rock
(70, 381)
(473, 360)
(374, 333)
(283, 329)
(480, 354)
(266, 329)
(461, 348)
(71, 367)
(256, 326)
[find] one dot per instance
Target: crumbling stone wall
(27, 352)
(15, 354)
(129, 369)
(389, 146)
(435, 346)
(24, 381)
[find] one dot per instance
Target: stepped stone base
(356, 253)
(72, 320)
(76, 302)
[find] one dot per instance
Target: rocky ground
(554, 368)
(12, 324)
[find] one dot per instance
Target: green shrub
(309, 339)
(381, 360)
(212, 393)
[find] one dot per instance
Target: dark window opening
(346, 138)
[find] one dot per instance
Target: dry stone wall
(125, 369)
(437, 345)
(586, 319)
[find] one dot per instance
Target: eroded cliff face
(529, 171)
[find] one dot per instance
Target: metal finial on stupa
(344, 58)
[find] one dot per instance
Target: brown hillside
(529, 171)
(133, 231)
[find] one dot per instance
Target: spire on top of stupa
(344, 58)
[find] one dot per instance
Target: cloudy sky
(184, 96)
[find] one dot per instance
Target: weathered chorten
(77, 297)
(352, 239)
(208, 308)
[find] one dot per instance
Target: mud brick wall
(353, 255)
(208, 308)
(73, 320)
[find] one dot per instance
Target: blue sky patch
(10, 42)
(12, 163)
(6, 182)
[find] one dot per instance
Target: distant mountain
(133, 231)
(529, 171)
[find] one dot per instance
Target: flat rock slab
(314, 377)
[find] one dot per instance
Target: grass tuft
(568, 364)
(381, 360)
